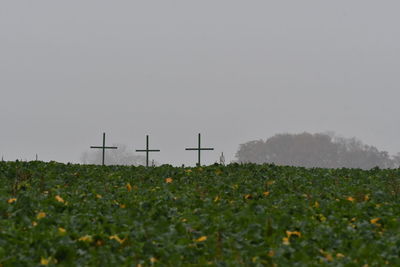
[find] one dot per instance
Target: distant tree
(120, 156)
(253, 151)
(323, 150)
(396, 160)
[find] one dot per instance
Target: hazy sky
(233, 70)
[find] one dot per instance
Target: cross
(147, 150)
(199, 149)
(104, 147)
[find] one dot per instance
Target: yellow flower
(116, 238)
(216, 198)
(248, 196)
(296, 233)
(153, 260)
(321, 217)
(271, 253)
(375, 221)
(366, 197)
(168, 180)
(285, 241)
(316, 205)
(327, 255)
(86, 238)
(122, 206)
(59, 199)
(62, 230)
(11, 200)
(40, 215)
(129, 187)
(351, 199)
(99, 196)
(34, 223)
(339, 255)
(44, 261)
(266, 193)
(201, 239)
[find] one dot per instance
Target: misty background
(235, 71)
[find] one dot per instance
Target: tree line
(322, 150)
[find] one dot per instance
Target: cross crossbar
(200, 149)
(106, 147)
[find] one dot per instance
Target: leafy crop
(238, 215)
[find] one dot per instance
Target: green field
(238, 215)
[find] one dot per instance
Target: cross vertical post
(199, 149)
(104, 147)
(147, 150)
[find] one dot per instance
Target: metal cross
(199, 149)
(147, 150)
(104, 147)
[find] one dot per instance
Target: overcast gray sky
(234, 70)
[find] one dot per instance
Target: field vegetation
(236, 215)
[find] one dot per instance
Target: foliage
(315, 150)
(235, 215)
